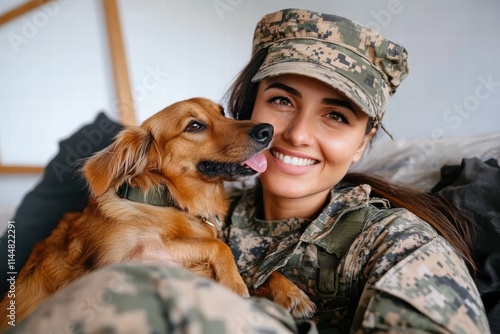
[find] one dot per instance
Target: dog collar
(159, 197)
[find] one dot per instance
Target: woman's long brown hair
(445, 218)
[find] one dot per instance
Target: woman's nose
(299, 131)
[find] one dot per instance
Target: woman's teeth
(294, 161)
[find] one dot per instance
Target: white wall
(453, 47)
(54, 76)
(55, 72)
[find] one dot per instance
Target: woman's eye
(282, 101)
(338, 116)
(195, 126)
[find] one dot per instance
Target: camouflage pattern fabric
(151, 298)
(399, 275)
(348, 56)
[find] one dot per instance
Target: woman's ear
(362, 146)
(125, 158)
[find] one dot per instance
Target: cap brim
(328, 76)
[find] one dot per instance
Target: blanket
(474, 186)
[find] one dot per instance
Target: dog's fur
(190, 148)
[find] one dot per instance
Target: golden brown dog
(157, 193)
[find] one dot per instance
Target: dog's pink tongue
(258, 163)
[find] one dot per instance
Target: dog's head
(190, 147)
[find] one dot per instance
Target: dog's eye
(195, 126)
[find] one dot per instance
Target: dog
(157, 192)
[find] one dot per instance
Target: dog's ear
(125, 158)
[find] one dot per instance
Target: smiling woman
(314, 125)
(366, 252)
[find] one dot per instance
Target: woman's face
(318, 133)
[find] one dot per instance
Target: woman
(323, 82)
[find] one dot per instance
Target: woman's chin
(286, 186)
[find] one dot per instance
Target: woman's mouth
(292, 160)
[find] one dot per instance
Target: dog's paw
(295, 301)
(237, 287)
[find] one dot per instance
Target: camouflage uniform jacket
(398, 274)
(148, 297)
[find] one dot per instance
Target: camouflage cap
(346, 55)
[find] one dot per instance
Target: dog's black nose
(262, 133)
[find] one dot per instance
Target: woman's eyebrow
(339, 103)
(284, 87)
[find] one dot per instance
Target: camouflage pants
(151, 298)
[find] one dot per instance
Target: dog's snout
(262, 133)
